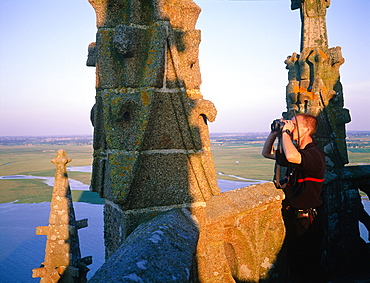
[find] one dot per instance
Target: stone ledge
(231, 203)
(171, 237)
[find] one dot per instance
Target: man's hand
(289, 125)
(291, 153)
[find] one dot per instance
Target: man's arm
(290, 151)
(268, 150)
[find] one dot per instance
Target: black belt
(303, 213)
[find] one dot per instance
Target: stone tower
(151, 139)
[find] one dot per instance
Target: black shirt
(304, 187)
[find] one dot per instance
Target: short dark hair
(310, 122)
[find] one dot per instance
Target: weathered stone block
(183, 14)
(92, 55)
(98, 172)
(168, 123)
(203, 174)
(143, 66)
(163, 181)
(124, 40)
(177, 121)
(173, 121)
(114, 228)
(122, 169)
(187, 71)
(133, 218)
(109, 13)
(245, 227)
(169, 238)
(225, 209)
(97, 120)
(125, 116)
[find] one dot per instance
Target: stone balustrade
(241, 235)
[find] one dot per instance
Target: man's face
(298, 127)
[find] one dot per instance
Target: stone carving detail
(243, 237)
(123, 39)
(63, 262)
(92, 54)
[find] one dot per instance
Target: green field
(35, 160)
(243, 160)
(238, 155)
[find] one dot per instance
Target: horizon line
(91, 135)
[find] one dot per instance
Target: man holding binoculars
(302, 187)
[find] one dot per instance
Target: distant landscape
(25, 203)
(235, 155)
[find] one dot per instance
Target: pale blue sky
(46, 88)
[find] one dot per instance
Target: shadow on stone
(161, 250)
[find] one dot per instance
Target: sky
(47, 89)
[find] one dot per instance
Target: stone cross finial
(313, 31)
(61, 158)
(61, 161)
(63, 260)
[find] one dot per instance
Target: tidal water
(21, 249)
(74, 184)
(224, 185)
